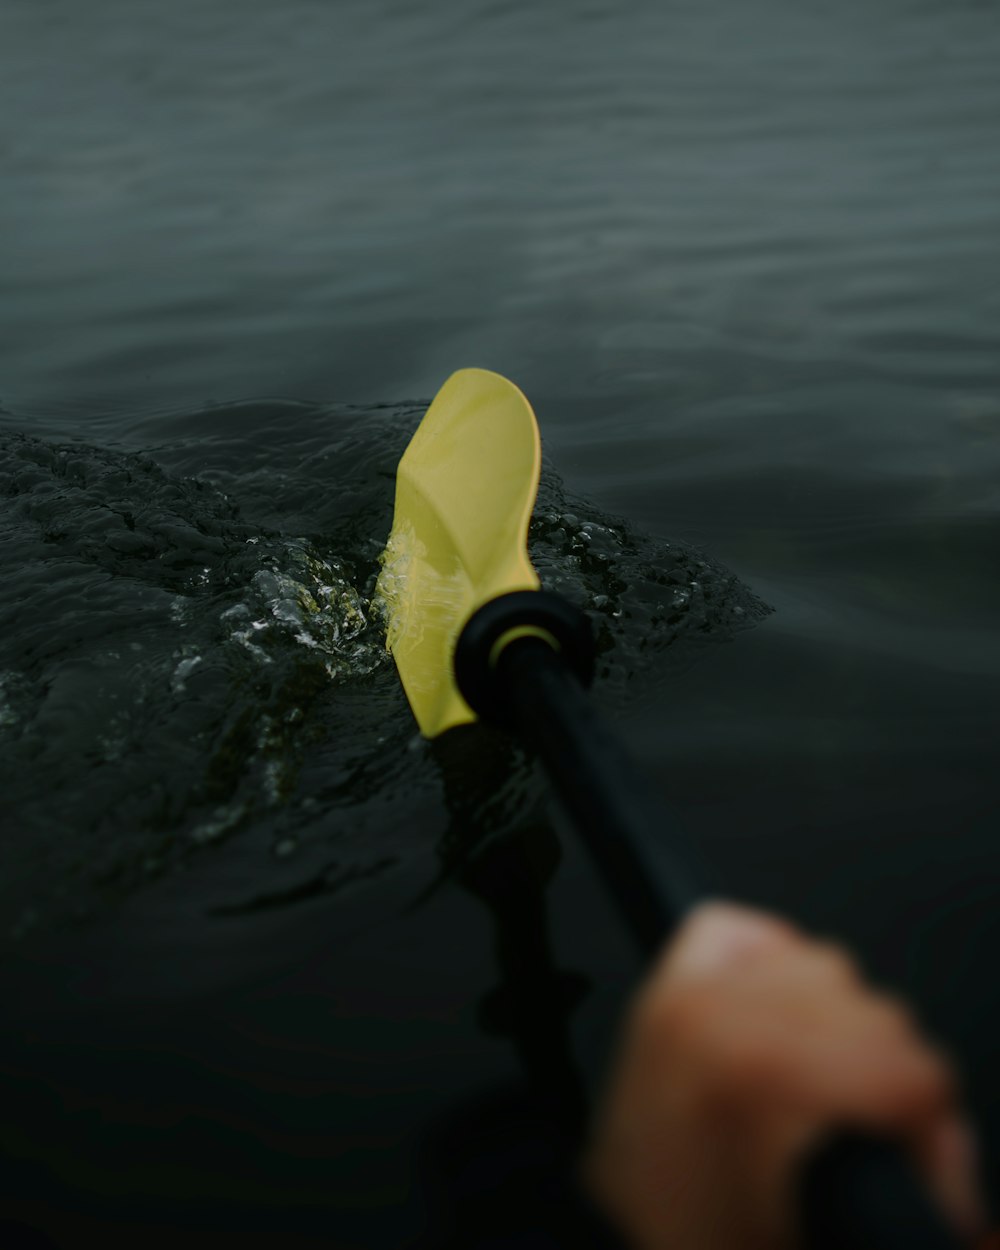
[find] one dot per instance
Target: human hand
(747, 1045)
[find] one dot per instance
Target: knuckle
(894, 1016)
(923, 1084)
(836, 964)
(938, 1077)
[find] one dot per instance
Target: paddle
(474, 636)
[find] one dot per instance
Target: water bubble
(223, 821)
(178, 682)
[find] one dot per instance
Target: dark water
(744, 260)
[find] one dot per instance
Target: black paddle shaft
(612, 806)
(859, 1192)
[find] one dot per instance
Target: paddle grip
(859, 1192)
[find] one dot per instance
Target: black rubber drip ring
(476, 661)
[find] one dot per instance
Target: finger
(869, 1067)
(947, 1154)
(808, 1038)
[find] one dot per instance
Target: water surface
(743, 260)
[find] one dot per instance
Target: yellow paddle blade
(465, 488)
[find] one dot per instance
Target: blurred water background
(745, 261)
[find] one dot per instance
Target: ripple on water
(176, 674)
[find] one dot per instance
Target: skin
(748, 1043)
